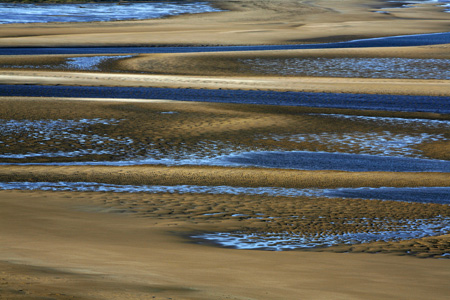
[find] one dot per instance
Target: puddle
(403, 68)
(95, 12)
(409, 229)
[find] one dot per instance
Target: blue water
(305, 160)
(93, 12)
(440, 195)
(297, 160)
(392, 41)
(331, 100)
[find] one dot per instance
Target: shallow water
(404, 68)
(434, 104)
(444, 3)
(392, 41)
(298, 160)
(410, 229)
(87, 63)
(439, 195)
(177, 189)
(305, 160)
(44, 133)
(94, 12)
(385, 143)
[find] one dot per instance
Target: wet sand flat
(184, 241)
(84, 245)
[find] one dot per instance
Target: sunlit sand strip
(217, 176)
(303, 84)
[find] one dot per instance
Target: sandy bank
(199, 175)
(302, 84)
(227, 70)
(59, 245)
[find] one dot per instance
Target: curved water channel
(433, 104)
(392, 41)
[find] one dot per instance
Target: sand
(244, 22)
(303, 84)
(74, 245)
(59, 246)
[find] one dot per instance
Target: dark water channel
(434, 104)
(393, 41)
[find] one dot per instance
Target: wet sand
(149, 252)
(104, 245)
(65, 247)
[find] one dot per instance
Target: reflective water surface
(93, 12)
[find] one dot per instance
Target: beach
(193, 182)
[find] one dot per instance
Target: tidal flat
(112, 189)
(50, 135)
